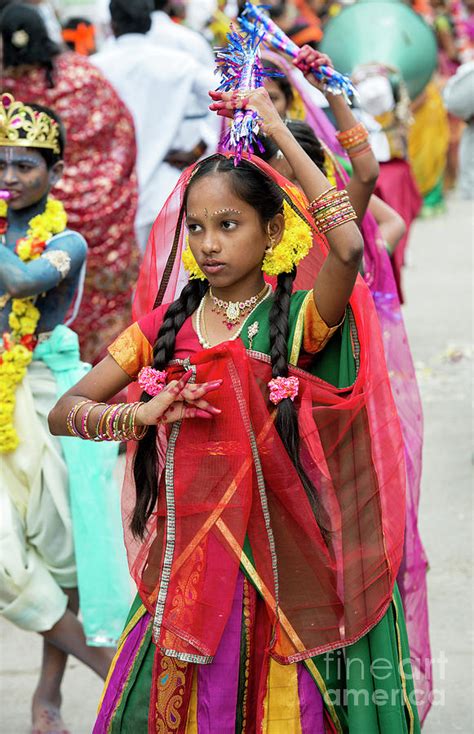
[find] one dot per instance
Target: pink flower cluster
(283, 387)
(151, 381)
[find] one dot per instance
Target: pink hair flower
(152, 381)
(282, 388)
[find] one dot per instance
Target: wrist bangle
(98, 435)
(72, 416)
(85, 430)
(366, 149)
(353, 136)
(134, 429)
(318, 198)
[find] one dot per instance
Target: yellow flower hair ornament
(295, 244)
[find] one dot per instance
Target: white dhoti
(36, 542)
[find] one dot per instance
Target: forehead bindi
(213, 197)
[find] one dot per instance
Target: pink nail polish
(202, 414)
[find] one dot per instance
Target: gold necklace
(234, 310)
(201, 330)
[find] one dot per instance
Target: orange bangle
(353, 137)
(366, 149)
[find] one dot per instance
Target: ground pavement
(438, 315)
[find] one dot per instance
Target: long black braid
(286, 421)
(144, 466)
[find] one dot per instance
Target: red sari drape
(230, 479)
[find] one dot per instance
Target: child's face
(24, 173)
(226, 235)
(277, 96)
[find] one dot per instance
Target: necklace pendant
(233, 312)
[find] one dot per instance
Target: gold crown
(23, 126)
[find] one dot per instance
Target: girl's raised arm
(335, 281)
(365, 168)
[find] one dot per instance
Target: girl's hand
(225, 104)
(178, 400)
(309, 60)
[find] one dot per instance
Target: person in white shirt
(165, 32)
(162, 88)
(178, 37)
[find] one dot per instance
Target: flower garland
(293, 247)
(19, 343)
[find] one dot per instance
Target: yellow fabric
(281, 706)
(296, 110)
(131, 350)
(316, 332)
(191, 724)
(428, 140)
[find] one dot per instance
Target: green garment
(103, 577)
(335, 364)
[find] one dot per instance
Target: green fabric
(102, 569)
(434, 198)
(261, 342)
(365, 685)
(363, 681)
(345, 164)
(367, 695)
(131, 715)
(334, 364)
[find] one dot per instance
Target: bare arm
(335, 281)
(178, 400)
(365, 167)
(391, 225)
(23, 279)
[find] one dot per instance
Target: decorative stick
(241, 69)
(253, 16)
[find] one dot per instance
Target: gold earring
(269, 250)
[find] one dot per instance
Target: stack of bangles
(331, 209)
(116, 422)
(354, 137)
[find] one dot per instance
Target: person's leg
(68, 635)
(47, 698)
(46, 703)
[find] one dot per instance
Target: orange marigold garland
(19, 343)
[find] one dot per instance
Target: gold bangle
(318, 198)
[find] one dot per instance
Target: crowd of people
(235, 325)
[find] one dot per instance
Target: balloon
(387, 32)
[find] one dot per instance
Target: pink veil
(378, 274)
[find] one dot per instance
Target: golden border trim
(170, 521)
(298, 334)
(402, 672)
